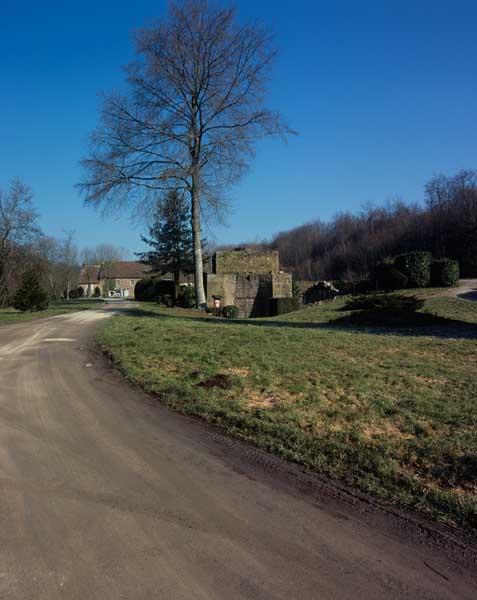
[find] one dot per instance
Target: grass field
(391, 412)
(10, 315)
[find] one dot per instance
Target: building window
(132, 283)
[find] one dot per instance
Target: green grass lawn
(10, 315)
(391, 412)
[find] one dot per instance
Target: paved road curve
(106, 495)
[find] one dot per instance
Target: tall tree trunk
(3, 290)
(177, 284)
(197, 244)
(52, 286)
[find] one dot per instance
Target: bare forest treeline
(24, 246)
(350, 245)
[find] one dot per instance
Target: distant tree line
(25, 249)
(351, 245)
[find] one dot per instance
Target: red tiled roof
(124, 270)
(114, 270)
(89, 274)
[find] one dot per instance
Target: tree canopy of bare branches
(195, 109)
(350, 245)
(103, 253)
(18, 228)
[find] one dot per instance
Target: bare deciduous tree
(68, 260)
(18, 227)
(195, 109)
(48, 252)
(104, 255)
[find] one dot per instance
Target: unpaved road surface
(466, 290)
(106, 495)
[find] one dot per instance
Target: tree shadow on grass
(428, 326)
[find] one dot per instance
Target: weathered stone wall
(247, 279)
(282, 285)
(246, 261)
(220, 285)
(252, 295)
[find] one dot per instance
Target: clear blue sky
(382, 92)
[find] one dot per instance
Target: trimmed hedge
(151, 289)
(187, 297)
(280, 306)
(390, 278)
(143, 290)
(230, 312)
(385, 303)
(417, 268)
(444, 272)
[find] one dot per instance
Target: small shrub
(80, 291)
(388, 310)
(390, 303)
(164, 287)
(73, 294)
(417, 268)
(296, 291)
(150, 289)
(166, 299)
(444, 272)
(97, 292)
(187, 298)
(230, 312)
(144, 290)
(281, 306)
(30, 295)
(390, 278)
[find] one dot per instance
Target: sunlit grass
(393, 412)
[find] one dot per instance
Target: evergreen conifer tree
(30, 295)
(170, 239)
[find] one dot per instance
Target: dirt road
(466, 290)
(106, 495)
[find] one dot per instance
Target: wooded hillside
(350, 245)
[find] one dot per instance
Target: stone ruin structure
(322, 290)
(248, 279)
